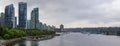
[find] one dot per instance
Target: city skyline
(98, 14)
(11, 21)
(59, 22)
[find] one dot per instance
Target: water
(75, 39)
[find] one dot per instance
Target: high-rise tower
(35, 18)
(22, 15)
(2, 19)
(9, 16)
(61, 27)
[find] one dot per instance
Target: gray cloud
(73, 12)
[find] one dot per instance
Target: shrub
(6, 36)
(1, 38)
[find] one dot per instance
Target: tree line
(9, 33)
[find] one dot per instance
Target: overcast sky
(73, 13)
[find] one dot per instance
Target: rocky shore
(10, 42)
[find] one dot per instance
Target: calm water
(76, 39)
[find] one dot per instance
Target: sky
(72, 13)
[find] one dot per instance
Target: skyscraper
(2, 19)
(35, 18)
(61, 27)
(9, 16)
(22, 15)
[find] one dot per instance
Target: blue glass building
(9, 16)
(35, 18)
(22, 15)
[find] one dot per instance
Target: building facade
(22, 15)
(44, 26)
(9, 16)
(35, 18)
(61, 27)
(40, 26)
(15, 22)
(2, 19)
(29, 26)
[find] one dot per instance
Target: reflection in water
(34, 43)
(23, 43)
(16, 45)
(61, 41)
(75, 39)
(28, 43)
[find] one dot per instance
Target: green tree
(6, 36)
(1, 38)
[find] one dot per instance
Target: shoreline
(11, 42)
